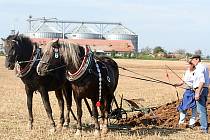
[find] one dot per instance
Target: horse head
(51, 59)
(11, 50)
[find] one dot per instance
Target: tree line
(160, 52)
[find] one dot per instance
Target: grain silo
(83, 32)
(54, 28)
(119, 32)
(45, 31)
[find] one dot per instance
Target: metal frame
(65, 25)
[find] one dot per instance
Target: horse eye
(47, 53)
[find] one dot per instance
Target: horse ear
(57, 40)
(3, 39)
(35, 45)
(16, 35)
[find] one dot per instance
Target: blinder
(56, 52)
(17, 52)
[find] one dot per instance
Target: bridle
(57, 56)
(23, 70)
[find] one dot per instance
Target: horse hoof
(60, 127)
(30, 126)
(66, 124)
(104, 131)
(52, 130)
(78, 133)
(97, 133)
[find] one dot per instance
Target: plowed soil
(165, 116)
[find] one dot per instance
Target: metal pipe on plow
(177, 75)
(167, 75)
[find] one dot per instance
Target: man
(200, 84)
(188, 100)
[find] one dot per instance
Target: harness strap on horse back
(98, 104)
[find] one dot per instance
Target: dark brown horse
(23, 56)
(91, 77)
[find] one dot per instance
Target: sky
(171, 24)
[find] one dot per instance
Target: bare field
(14, 116)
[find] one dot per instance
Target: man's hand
(198, 91)
(197, 96)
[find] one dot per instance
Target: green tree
(158, 49)
(180, 51)
(113, 53)
(198, 52)
(146, 50)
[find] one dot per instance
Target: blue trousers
(202, 110)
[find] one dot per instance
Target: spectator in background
(200, 85)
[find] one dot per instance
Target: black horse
(23, 56)
(91, 77)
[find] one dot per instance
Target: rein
(50, 70)
(143, 75)
(177, 75)
(22, 62)
(23, 72)
(150, 79)
(147, 80)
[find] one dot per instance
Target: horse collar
(86, 62)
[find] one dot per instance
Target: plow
(118, 113)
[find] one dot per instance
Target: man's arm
(201, 80)
(198, 91)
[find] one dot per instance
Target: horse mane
(47, 47)
(71, 53)
(26, 40)
(21, 38)
(25, 45)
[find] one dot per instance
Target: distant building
(1, 48)
(103, 36)
(98, 45)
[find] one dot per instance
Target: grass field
(14, 116)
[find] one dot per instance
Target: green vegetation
(158, 53)
(1, 53)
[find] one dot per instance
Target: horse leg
(68, 97)
(102, 119)
(106, 112)
(102, 116)
(59, 97)
(29, 105)
(79, 116)
(95, 117)
(46, 102)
